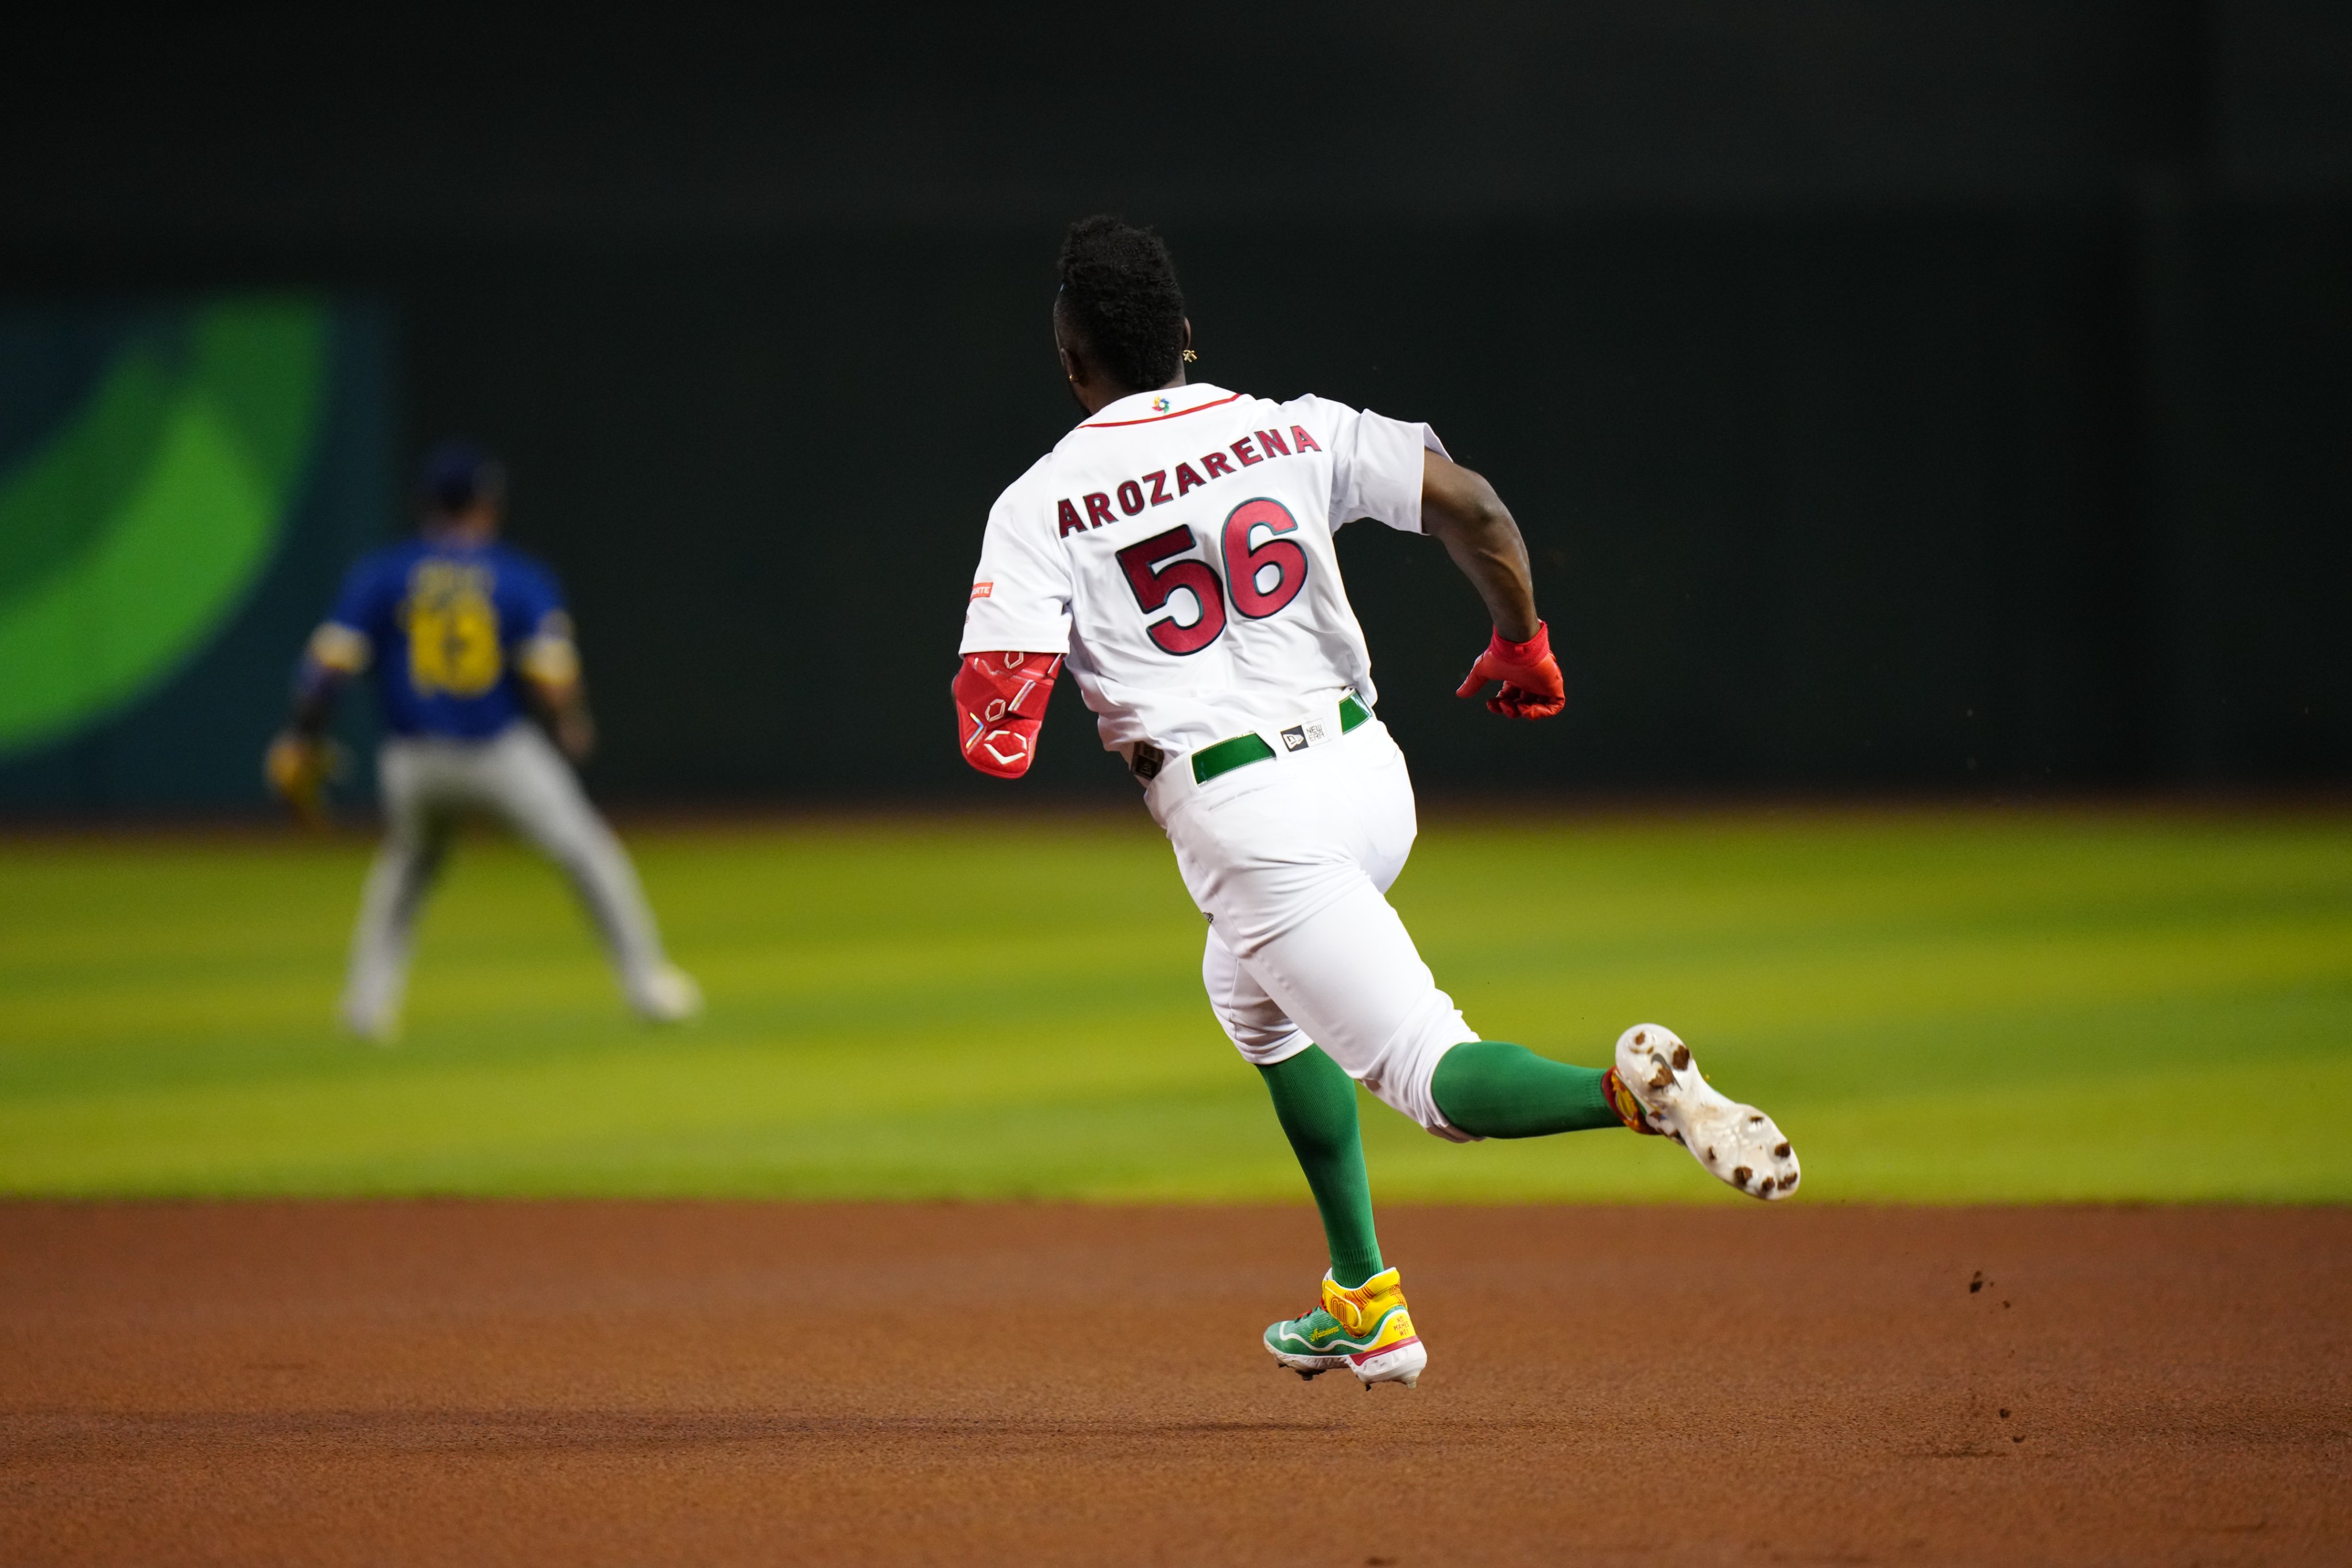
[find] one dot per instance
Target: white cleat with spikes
(1738, 1144)
(669, 995)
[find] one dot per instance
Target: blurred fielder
(469, 640)
(1176, 552)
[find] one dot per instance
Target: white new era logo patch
(1299, 737)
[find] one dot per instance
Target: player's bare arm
(564, 711)
(549, 663)
(1461, 511)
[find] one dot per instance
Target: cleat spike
(1411, 1379)
(1738, 1144)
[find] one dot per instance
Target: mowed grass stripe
(1939, 1006)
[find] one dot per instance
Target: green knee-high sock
(1493, 1089)
(1316, 1101)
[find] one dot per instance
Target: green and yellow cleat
(1366, 1329)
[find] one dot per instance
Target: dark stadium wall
(1952, 396)
(1834, 501)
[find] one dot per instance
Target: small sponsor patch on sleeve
(983, 589)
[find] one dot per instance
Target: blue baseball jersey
(446, 628)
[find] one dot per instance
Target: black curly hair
(1120, 297)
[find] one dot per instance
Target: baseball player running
(469, 639)
(1175, 551)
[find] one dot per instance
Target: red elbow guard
(1000, 704)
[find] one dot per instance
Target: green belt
(1243, 749)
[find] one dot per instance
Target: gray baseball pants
(429, 784)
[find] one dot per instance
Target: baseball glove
(298, 768)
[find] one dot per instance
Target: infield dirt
(640, 1382)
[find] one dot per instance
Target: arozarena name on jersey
(1133, 497)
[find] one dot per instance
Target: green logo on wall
(130, 537)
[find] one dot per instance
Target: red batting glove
(1000, 704)
(1531, 685)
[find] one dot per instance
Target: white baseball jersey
(1177, 547)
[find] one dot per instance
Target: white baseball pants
(1290, 859)
(429, 784)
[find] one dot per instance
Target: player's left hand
(298, 767)
(1532, 688)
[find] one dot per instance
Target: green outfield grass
(1936, 1006)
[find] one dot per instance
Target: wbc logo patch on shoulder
(983, 589)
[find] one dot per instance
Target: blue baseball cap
(458, 474)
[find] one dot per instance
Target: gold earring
(1191, 358)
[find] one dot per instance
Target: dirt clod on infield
(588, 1383)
